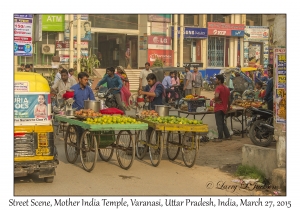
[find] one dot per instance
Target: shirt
(57, 77)
(269, 91)
(224, 94)
(167, 82)
(112, 82)
(158, 99)
(80, 95)
(197, 80)
(188, 77)
(143, 75)
(60, 85)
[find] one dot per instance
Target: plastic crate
(192, 105)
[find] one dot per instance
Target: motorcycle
(176, 101)
(110, 100)
(261, 126)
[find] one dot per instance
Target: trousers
(119, 102)
(221, 126)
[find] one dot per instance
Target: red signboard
(223, 29)
(198, 50)
(162, 40)
(167, 56)
(65, 45)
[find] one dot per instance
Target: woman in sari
(125, 90)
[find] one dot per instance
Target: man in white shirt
(188, 81)
(65, 83)
(58, 76)
(143, 75)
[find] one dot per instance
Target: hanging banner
(167, 56)
(32, 108)
(85, 31)
(256, 33)
(280, 95)
(23, 35)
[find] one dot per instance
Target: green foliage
(88, 63)
(250, 172)
(158, 63)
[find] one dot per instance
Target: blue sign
(237, 33)
(191, 32)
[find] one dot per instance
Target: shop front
(191, 43)
(256, 46)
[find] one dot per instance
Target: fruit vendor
(154, 91)
(82, 91)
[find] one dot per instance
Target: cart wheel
(106, 153)
(189, 149)
(141, 144)
(125, 149)
(88, 151)
(155, 147)
(71, 139)
(173, 144)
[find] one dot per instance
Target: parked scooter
(261, 126)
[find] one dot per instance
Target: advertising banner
(256, 33)
(31, 107)
(159, 18)
(53, 22)
(143, 43)
(65, 45)
(225, 29)
(159, 28)
(280, 94)
(167, 56)
(191, 32)
(23, 35)
(85, 30)
(21, 86)
(159, 42)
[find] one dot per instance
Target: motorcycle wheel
(111, 104)
(260, 136)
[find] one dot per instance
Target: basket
(192, 105)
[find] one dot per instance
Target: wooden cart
(178, 137)
(87, 140)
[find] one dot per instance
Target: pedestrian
(143, 75)
(71, 74)
(82, 91)
(58, 76)
(154, 91)
(65, 83)
(259, 92)
(269, 91)
(125, 90)
(113, 82)
(197, 82)
(188, 79)
(167, 83)
(222, 105)
(27, 68)
(31, 68)
(22, 67)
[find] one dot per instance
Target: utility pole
(71, 53)
(181, 40)
(175, 39)
(78, 42)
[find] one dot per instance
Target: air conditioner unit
(48, 48)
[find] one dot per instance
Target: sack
(111, 111)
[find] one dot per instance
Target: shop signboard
(191, 32)
(64, 58)
(53, 22)
(256, 33)
(225, 29)
(143, 42)
(280, 94)
(32, 108)
(159, 42)
(159, 18)
(65, 45)
(159, 28)
(23, 35)
(82, 17)
(167, 56)
(85, 30)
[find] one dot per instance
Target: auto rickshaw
(34, 149)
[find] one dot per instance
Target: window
(189, 20)
(216, 51)
(221, 18)
(125, 21)
(254, 20)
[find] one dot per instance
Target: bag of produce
(111, 111)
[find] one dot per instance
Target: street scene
(150, 105)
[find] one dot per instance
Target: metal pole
(71, 53)
(181, 40)
(175, 39)
(78, 42)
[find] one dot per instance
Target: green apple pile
(111, 119)
(173, 120)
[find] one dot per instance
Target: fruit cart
(184, 137)
(87, 140)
